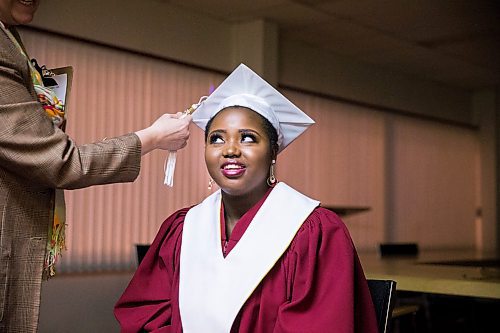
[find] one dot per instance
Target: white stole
(212, 289)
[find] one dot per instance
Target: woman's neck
(236, 206)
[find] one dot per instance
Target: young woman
(255, 256)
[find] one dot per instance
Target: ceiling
(456, 42)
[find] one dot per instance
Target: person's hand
(169, 132)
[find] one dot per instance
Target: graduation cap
(243, 87)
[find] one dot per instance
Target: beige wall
(486, 107)
(402, 168)
(153, 27)
(320, 72)
(81, 303)
(161, 29)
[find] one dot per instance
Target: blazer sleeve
(31, 147)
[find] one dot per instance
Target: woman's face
(238, 152)
(14, 12)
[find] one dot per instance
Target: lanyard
(52, 105)
(54, 108)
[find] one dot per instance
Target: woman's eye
(215, 138)
(248, 138)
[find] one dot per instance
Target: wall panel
(113, 93)
(420, 178)
(340, 161)
(434, 184)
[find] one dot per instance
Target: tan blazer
(36, 158)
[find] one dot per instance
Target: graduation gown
(317, 285)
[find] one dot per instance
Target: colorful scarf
(54, 108)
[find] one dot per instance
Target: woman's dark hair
(271, 132)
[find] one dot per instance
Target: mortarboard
(243, 87)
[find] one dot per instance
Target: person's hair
(271, 132)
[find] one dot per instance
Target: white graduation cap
(243, 87)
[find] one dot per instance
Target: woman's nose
(231, 149)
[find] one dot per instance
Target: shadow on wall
(81, 303)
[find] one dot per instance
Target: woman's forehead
(236, 116)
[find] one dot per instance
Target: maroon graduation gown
(318, 285)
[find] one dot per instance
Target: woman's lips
(233, 170)
(27, 2)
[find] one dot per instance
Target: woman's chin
(234, 190)
(22, 18)
(240, 189)
(231, 190)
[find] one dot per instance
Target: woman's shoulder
(319, 217)
(173, 223)
(324, 217)
(324, 224)
(176, 219)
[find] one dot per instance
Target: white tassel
(172, 156)
(170, 168)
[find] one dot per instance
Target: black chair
(141, 250)
(398, 249)
(383, 294)
(404, 315)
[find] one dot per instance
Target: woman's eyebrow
(242, 130)
(217, 131)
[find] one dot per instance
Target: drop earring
(210, 183)
(272, 179)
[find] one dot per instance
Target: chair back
(398, 249)
(141, 250)
(383, 294)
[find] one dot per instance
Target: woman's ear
(274, 152)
